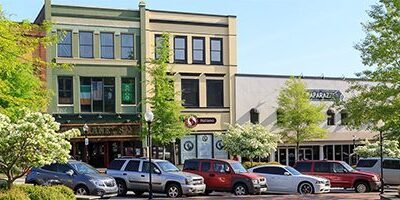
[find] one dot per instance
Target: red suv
(226, 176)
(340, 174)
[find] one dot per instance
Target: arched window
(254, 116)
(331, 117)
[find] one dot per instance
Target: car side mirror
(228, 170)
(157, 171)
(287, 174)
(70, 172)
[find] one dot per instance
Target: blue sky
(288, 37)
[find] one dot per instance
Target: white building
(256, 98)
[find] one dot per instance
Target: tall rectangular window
(180, 49)
(190, 92)
(127, 45)
(107, 45)
(158, 40)
(128, 91)
(64, 47)
(86, 44)
(215, 93)
(198, 50)
(216, 51)
(65, 94)
(97, 94)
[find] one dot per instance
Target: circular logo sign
(219, 145)
(188, 145)
(204, 138)
(191, 121)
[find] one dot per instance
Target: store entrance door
(306, 154)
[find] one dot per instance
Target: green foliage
(390, 149)
(380, 98)
(248, 165)
(31, 141)
(168, 122)
(30, 192)
(300, 119)
(249, 140)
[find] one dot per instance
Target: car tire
(81, 190)
(208, 192)
(122, 189)
(362, 187)
(240, 189)
(305, 188)
(138, 193)
(173, 190)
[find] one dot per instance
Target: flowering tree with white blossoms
(390, 149)
(31, 141)
(249, 140)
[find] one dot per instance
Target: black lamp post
(353, 158)
(149, 116)
(379, 126)
(85, 130)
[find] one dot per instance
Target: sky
(281, 37)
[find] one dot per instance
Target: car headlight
(98, 183)
(375, 178)
(255, 181)
(320, 182)
(188, 181)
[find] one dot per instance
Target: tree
(379, 98)
(168, 123)
(31, 141)
(249, 140)
(20, 84)
(390, 149)
(299, 118)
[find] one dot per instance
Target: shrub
(248, 164)
(31, 192)
(13, 194)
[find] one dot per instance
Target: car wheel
(240, 189)
(306, 188)
(361, 187)
(208, 192)
(138, 193)
(174, 191)
(81, 190)
(122, 190)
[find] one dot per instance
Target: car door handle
(142, 175)
(124, 174)
(212, 175)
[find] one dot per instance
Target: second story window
(86, 44)
(65, 94)
(97, 94)
(64, 47)
(190, 92)
(107, 45)
(128, 91)
(127, 46)
(216, 51)
(180, 49)
(158, 39)
(198, 50)
(215, 93)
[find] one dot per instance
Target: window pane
(64, 50)
(216, 56)
(107, 45)
(85, 97)
(190, 92)
(303, 166)
(215, 93)
(198, 55)
(215, 45)
(205, 166)
(180, 49)
(179, 54)
(86, 51)
(191, 165)
(216, 51)
(180, 43)
(109, 99)
(127, 53)
(198, 44)
(65, 95)
(107, 52)
(85, 38)
(367, 162)
(132, 166)
(323, 167)
(126, 40)
(128, 91)
(67, 39)
(116, 164)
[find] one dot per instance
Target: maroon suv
(226, 176)
(340, 174)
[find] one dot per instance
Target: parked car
(285, 179)
(340, 174)
(79, 176)
(391, 168)
(226, 176)
(132, 174)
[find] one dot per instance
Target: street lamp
(85, 130)
(354, 160)
(379, 125)
(149, 116)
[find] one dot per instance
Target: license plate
(263, 189)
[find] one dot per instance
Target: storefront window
(65, 94)
(97, 94)
(282, 156)
(338, 152)
(292, 157)
(346, 154)
(328, 152)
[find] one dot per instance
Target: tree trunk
(297, 151)
(10, 182)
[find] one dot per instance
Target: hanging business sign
(325, 95)
(193, 120)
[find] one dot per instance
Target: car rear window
(205, 166)
(303, 166)
(191, 165)
(366, 162)
(116, 164)
(391, 164)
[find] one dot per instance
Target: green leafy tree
(378, 99)
(31, 141)
(168, 123)
(390, 149)
(249, 140)
(299, 118)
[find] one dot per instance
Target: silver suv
(132, 174)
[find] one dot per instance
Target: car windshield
(292, 171)
(347, 166)
(238, 168)
(83, 168)
(167, 166)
